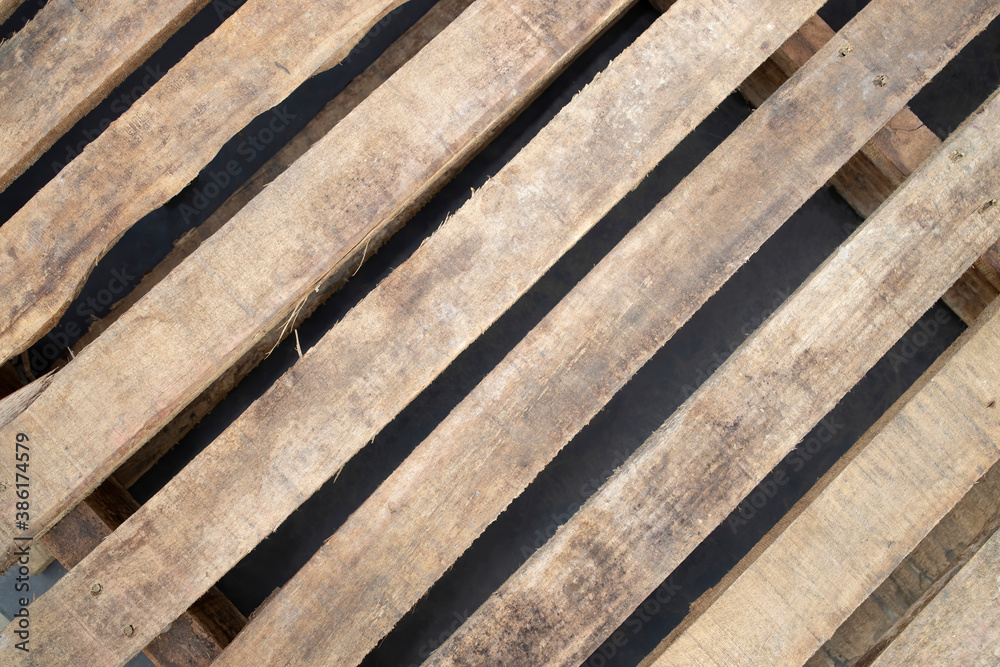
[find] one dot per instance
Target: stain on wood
(745, 418)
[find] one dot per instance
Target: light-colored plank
(66, 60)
(13, 405)
(7, 8)
(198, 635)
(711, 453)
(961, 626)
(553, 383)
(852, 530)
(255, 59)
(418, 36)
(916, 579)
(74, 531)
(390, 346)
(881, 166)
(247, 281)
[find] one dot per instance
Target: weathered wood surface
(198, 635)
(859, 522)
(961, 626)
(693, 471)
(13, 405)
(955, 566)
(916, 579)
(7, 8)
(66, 60)
(389, 347)
(247, 281)
(881, 166)
(395, 56)
(418, 36)
(556, 380)
(190, 640)
(255, 59)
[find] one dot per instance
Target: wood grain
(851, 531)
(246, 282)
(868, 178)
(66, 60)
(199, 634)
(432, 507)
(414, 39)
(961, 626)
(404, 333)
(711, 453)
(916, 579)
(7, 8)
(195, 638)
(255, 59)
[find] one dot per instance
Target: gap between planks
(255, 59)
(859, 521)
(477, 240)
(213, 307)
(405, 535)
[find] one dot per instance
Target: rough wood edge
(705, 601)
(97, 92)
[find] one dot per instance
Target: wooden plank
(932, 591)
(930, 565)
(13, 405)
(7, 8)
(961, 626)
(859, 522)
(247, 281)
(711, 453)
(198, 635)
(194, 638)
(389, 347)
(869, 177)
(418, 36)
(255, 59)
(395, 56)
(66, 60)
(407, 534)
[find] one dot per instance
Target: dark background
(644, 403)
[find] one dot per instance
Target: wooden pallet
(921, 489)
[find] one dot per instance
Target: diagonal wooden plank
(692, 472)
(431, 508)
(198, 635)
(195, 637)
(881, 166)
(859, 522)
(309, 226)
(7, 8)
(418, 36)
(961, 626)
(66, 60)
(915, 581)
(407, 330)
(255, 59)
